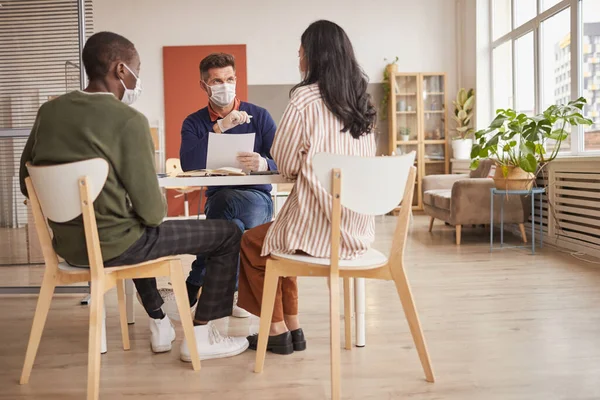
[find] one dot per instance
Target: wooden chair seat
(370, 260)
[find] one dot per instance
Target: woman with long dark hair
(330, 111)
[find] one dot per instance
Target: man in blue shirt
(247, 206)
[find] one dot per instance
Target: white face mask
(222, 95)
(131, 95)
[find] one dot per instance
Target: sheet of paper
(223, 149)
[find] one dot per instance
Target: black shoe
(298, 340)
(279, 344)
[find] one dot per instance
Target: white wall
(420, 32)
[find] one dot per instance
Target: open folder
(212, 172)
(222, 152)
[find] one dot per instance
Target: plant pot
(515, 179)
(461, 148)
(404, 138)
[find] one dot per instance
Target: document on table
(223, 149)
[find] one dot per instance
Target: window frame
(534, 25)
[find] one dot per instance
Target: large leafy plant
(463, 112)
(515, 139)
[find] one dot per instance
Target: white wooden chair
(61, 193)
(371, 186)
(173, 168)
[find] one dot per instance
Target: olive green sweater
(78, 126)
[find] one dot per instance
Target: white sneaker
(238, 312)
(211, 344)
(162, 334)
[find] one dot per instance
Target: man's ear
(120, 70)
(204, 87)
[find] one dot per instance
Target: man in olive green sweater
(98, 122)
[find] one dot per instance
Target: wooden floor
(505, 326)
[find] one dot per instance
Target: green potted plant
(462, 141)
(389, 69)
(404, 134)
(518, 142)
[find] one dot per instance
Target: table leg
(86, 300)
(359, 310)
(502, 221)
(492, 220)
(541, 219)
(129, 295)
(533, 223)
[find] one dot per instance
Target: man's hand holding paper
(252, 161)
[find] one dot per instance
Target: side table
(503, 193)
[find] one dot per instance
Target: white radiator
(577, 203)
(571, 211)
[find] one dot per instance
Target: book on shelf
(225, 171)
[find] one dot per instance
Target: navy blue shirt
(194, 140)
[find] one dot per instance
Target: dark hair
(342, 82)
(216, 60)
(102, 49)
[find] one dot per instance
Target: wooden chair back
(173, 167)
(61, 193)
(371, 186)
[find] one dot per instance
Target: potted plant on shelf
(518, 142)
(463, 112)
(405, 134)
(389, 69)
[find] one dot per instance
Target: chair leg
(413, 322)
(39, 320)
(431, 220)
(334, 321)
(183, 306)
(348, 313)
(266, 314)
(95, 327)
(186, 206)
(458, 233)
(103, 345)
(123, 313)
(129, 295)
(523, 234)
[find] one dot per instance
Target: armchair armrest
(470, 203)
(432, 182)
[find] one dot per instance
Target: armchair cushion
(439, 198)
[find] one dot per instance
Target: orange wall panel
(183, 96)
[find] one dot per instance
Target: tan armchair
(465, 200)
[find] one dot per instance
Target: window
(502, 17)
(524, 11)
(554, 57)
(546, 4)
(502, 58)
(590, 77)
(524, 76)
(533, 66)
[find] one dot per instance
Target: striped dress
(304, 223)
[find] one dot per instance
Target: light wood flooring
(499, 326)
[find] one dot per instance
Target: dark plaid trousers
(217, 240)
